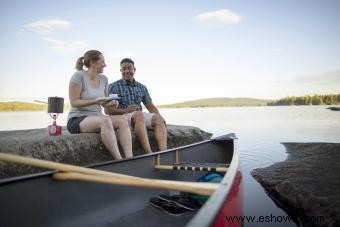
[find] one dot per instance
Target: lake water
(260, 130)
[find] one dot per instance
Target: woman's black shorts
(73, 124)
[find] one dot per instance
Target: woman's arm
(74, 95)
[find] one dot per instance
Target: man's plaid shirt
(133, 94)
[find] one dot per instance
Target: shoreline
(330, 107)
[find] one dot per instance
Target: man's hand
(131, 108)
(112, 103)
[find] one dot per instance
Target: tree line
(23, 106)
(331, 99)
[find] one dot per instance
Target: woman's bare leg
(120, 123)
(103, 125)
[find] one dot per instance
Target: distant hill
(209, 102)
(24, 106)
(218, 102)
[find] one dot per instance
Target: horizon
(192, 100)
(237, 49)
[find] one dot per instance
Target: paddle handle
(191, 187)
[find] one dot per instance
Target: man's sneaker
(167, 207)
(181, 200)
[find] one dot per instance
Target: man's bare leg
(138, 123)
(161, 133)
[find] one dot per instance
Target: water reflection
(260, 131)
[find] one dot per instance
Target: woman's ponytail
(80, 63)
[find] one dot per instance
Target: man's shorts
(147, 118)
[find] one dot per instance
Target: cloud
(47, 26)
(43, 27)
(62, 46)
(328, 78)
(223, 16)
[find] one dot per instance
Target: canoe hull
(38, 200)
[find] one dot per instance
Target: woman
(86, 113)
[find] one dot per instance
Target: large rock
(77, 149)
(307, 183)
(335, 108)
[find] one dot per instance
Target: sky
(183, 50)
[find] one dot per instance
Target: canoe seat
(209, 167)
(191, 166)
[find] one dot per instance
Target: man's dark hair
(127, 60)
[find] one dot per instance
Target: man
(132, 94)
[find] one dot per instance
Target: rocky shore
(78, 149)
(307, 183)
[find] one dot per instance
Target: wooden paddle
(93, 175)
(192, 187)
